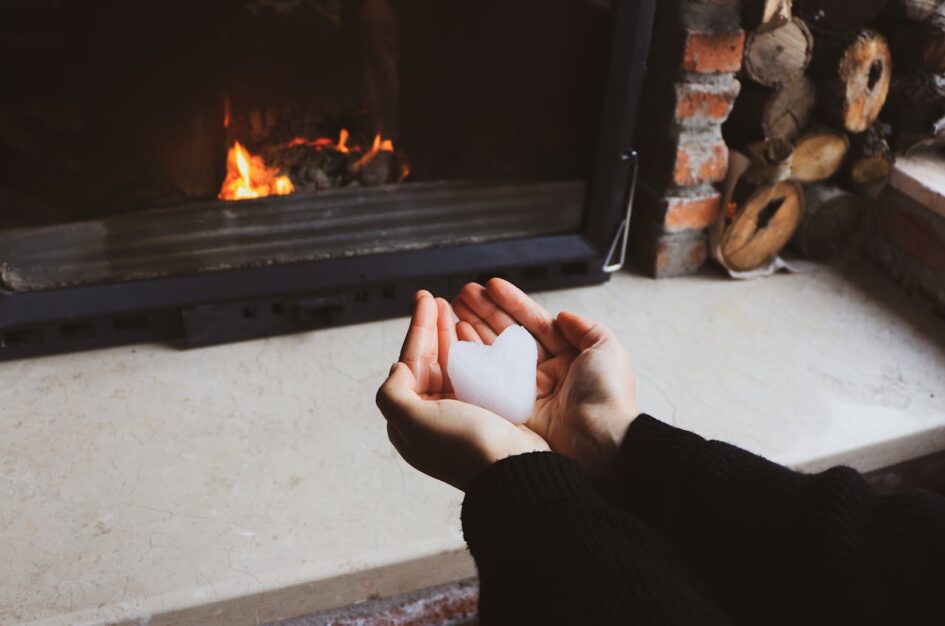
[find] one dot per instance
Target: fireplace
(212, 171)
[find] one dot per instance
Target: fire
(247, 176)
(380, 145)
(324, 142)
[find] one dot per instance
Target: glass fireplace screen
(142, 140)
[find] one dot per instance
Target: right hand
(586, 387)
(440, 436)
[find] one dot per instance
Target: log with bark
(764, 113)
(871, 159)
(819, 155)
(779, 55)
(918, 10)
(770, 161)
(932, 42)
(918, 46)
(853, 72)
(764, 220)
(764, 14)
(831, 217)
(916, 112)
(833, 16)
(933, 52)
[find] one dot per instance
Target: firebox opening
(181, 136)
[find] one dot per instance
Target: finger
(581, 332)
(420, 345)
(466, 314)
(398, 398)
(482, 304)
(465, 332)
(534, 317)
(446, 337)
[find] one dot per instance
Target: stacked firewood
(820, 113)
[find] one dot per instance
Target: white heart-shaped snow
(500, 377)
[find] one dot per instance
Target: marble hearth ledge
(245, 483)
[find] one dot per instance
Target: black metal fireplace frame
(221, 306)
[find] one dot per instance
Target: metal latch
(623, 231)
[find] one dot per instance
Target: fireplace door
(214, 170)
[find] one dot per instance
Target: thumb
(580, 331)
(398, 396)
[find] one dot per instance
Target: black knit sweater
(703, 533)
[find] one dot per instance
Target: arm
(773, 545)
(549, 551)
(763, 536)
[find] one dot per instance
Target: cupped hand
(438, 435)
(586, 387)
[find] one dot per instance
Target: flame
(380, 145)
(247, 176)
(226, 111)
(323, 142)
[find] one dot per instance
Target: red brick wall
(689, 92)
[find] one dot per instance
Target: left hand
(586, 387)
(437, 434)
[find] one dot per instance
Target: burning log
(324, 163)
(871, 159)
(765, 14)
(837, 16)
(818, 155)
(765, 217)
(763, 113)
(378, 171)
(779, 55)
(853, 71)
(831, 217)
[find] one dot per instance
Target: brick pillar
(689, 92)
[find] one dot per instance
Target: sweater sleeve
(778, 546)
(550, 551)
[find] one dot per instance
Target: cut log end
(871, 159)
(866, 69)
(870, 170)
(854, 72)
(780, 55)
(819, 155)
(831, 218)
(765, 219)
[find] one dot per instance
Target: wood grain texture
(765, 219)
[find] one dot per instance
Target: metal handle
(623, 231)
